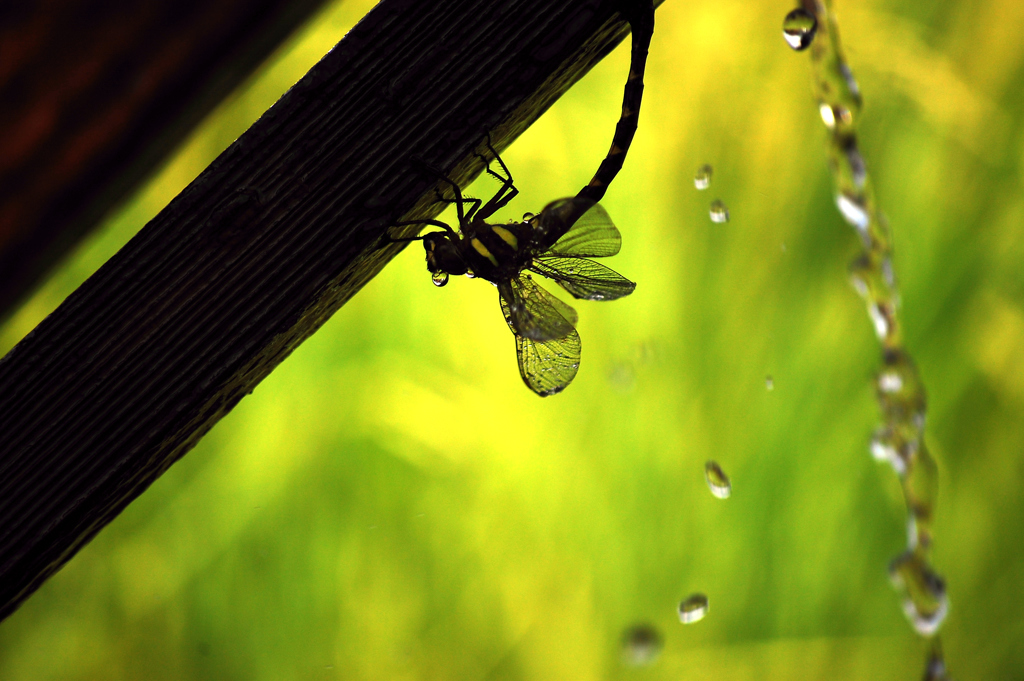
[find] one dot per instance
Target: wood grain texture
(95, 93)
(259, 251)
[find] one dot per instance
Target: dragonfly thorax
(491, 252)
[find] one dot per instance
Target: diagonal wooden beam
(94, 94)
(259, 251)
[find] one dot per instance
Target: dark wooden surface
(93, 95)
(284, 227)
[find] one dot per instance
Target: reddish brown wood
(264, 246)
(94, 93)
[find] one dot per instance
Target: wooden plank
(260, 250)
(94, 94)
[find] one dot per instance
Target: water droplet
(769, 383)
(853, 211)
(470, 274)
(880, 320)
(439, 278)
(702, 180)
(719, 213)
(798, 28)
(718, 481)
(925, 602)
(936, 667)
(827, 115)
(887, 272)
(913, 537)
(899, 444)
(890, 382)
(528, 216)
(858, 169)
(882, 450)
(641, 644)
(693, 609)
(851, 82)
(859, 285)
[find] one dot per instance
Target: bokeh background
(393, 503)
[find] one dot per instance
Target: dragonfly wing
(547, 344)
(532, 312)
(583, 278)
(592, 236)
(547, 367)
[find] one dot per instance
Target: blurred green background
(393, 503)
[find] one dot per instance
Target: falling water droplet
(702, 180)
(925, 602)
(858, 169)
(851, 82)
(887, 272)
(828, 116)
(718, 481)
(853, 211)
(880, 319)
(769, 383)
(897, 446)
(859, 285)
(798, 28)
(439, 278)
(936, 667)
(913, 537)
(719, 213)
(883, 451)
(693, 609)
(641, 644)
(890, 382)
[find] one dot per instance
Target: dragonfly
(547, 342)
(557, 243)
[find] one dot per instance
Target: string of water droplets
(900, 391)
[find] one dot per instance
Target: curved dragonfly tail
(640, 14)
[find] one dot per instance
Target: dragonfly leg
(387, 238)
(505, 194)
(469, 213)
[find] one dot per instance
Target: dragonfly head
(443, 254)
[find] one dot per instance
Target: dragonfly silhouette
(556, 243)
(547, 343)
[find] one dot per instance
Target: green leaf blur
(393, 503)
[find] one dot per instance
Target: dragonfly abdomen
(642, 26)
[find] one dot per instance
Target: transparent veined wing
(534, 313)
(592, 236)
(546, 366)
(583, 278)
